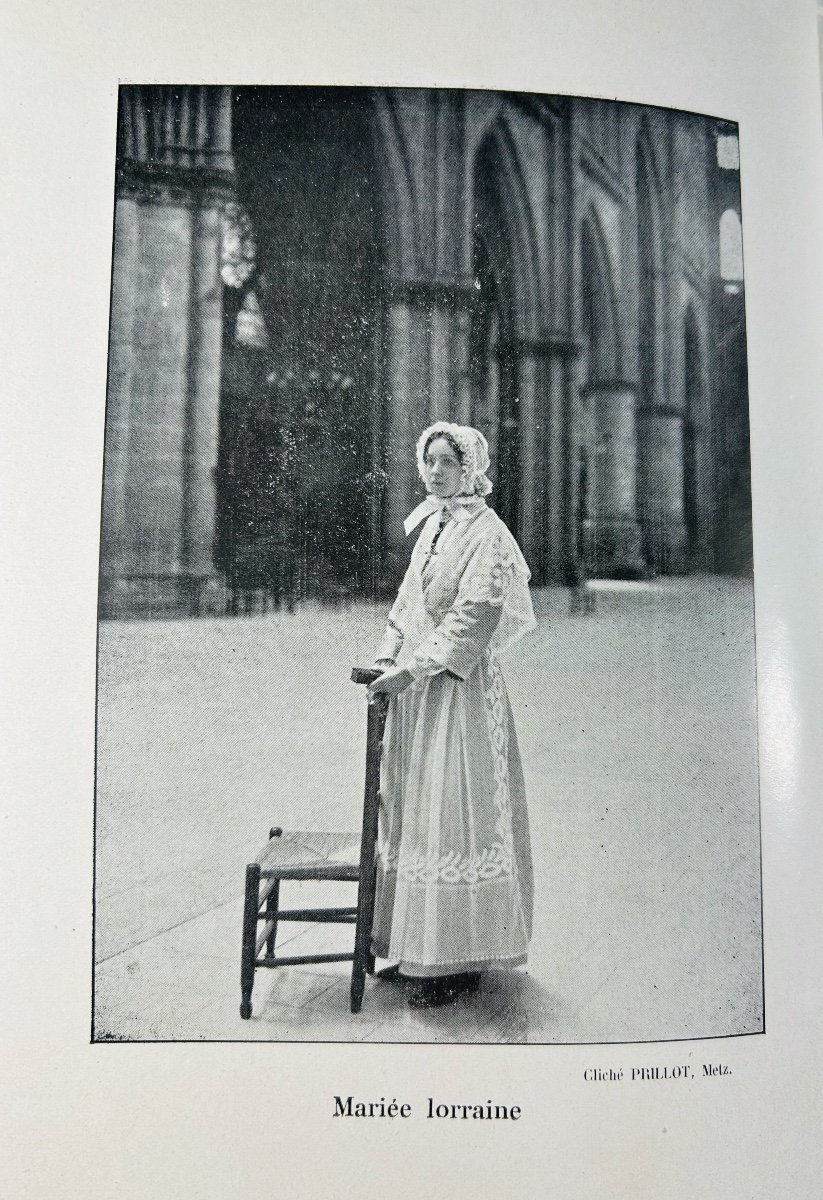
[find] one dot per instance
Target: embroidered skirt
(454, 878)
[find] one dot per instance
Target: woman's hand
(392, 682)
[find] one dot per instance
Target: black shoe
(442, 989)
(392, 974)
(469, 981)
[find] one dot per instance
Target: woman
(454, 888)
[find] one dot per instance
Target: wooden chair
(312, 856)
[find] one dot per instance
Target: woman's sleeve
(389, 648)
(392, 641)
(458, 642)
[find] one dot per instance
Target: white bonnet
(474, 451)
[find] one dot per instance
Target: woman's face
(443, 468)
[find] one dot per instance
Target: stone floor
(637, 728)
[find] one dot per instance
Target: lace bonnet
(474, 453)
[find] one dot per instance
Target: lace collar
(460, 508)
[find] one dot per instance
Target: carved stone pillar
(611, 531)
(661, 488)
(115, 526)
(151, 562)
(203, 410)
(174, 175)
(522, 365)
(546, 381)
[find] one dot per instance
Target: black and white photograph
(426, 695)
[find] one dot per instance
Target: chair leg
(372, 896)
(249, 951)
(363, 959)
(367, 883)
(358, 985)
(272, 909)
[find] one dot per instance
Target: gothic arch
(647, 142)
(482, 111)
(401, 230)
(601, 312)
(503, 159)
(504, 264)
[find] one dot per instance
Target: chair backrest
(376, 721)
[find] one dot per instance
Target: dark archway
(299, 470)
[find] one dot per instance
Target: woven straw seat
(294, 854)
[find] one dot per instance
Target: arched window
(728, 152)
(731, 247)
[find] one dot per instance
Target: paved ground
(637, 728)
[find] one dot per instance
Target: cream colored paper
(228, 1121)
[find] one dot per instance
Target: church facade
(304, 278)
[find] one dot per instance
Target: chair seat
(299, 854)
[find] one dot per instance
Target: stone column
(158, 409)
(115, 523)
(221, 158)
(520, 360)
(615, 533)
(462, 378)
(572, 568)
(173, 175)
(441, 374)
(557, 483)
(661, 476)
(661, 420)
(530, 471)
(427, 352)
(547, 390)
(400, 435)
(203, 408)
(569, 190)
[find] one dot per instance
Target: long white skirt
(454, 878)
